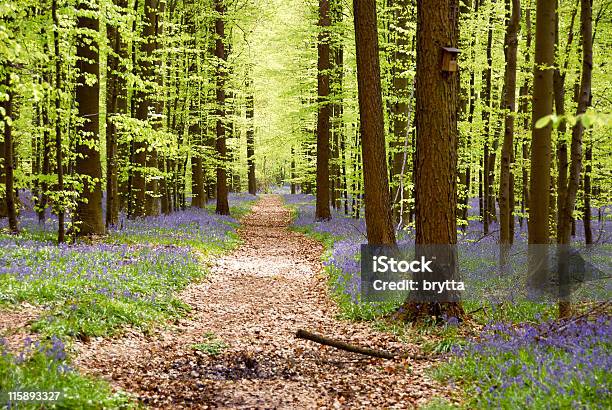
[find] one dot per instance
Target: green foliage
(211, 345)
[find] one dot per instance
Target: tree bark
(525, 97)
(116, 104)
(486, 118)
(507, 156)
(379, 225)
(399, 108)
(565, 218)
(7, 117)
(250, 140)
(539, 197)
(60, 207)
(89, 210)
(559, 101)
(436, 150)
(222, 190)
(322, 211)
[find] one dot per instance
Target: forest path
(254, 301)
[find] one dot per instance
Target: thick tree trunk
(222, 190)
(379, 225)
(539, 197)
(322, 211)
(436, 150)
(7, 117)
(89, 210)
(507, 157)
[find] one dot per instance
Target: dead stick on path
(304, 334)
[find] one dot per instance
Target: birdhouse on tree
(449, 59)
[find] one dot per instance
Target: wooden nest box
(449, 59)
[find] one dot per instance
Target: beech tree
(323, 211)
(376, 185)
(89, 208)
(220, 53)
(436, 150)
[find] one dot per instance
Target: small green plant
(211, 345)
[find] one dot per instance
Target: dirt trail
(254, 300)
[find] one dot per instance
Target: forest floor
(237, 347)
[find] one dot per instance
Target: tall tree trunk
(586, 218)
(539, 180)
(486, 118)
(9, 165)
(436, 152)
(542, 106)
(250, 140)
(525, 96)
(60, 207)
(379, 225)
(322, 211)
(559, 100)
(507, 157)
(142, 102)
(399, 108)
(565, 219)
(116, 103)
(89, 210)
(222, 190)
(293, 175)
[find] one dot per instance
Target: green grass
(42, 369)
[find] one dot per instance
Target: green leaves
(588, 119)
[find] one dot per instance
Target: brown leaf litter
(254, 300)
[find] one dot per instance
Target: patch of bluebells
(133, 277)
(38, 271)
(564, 362)
(52, 352)
(478, 254)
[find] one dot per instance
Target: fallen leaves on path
(254, 301)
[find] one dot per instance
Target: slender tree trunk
(525, 96)
(58, 126)
(116, 103)
(250, 139)
(586, 218)
(559, 100)
(486, 118)
(565, 219)
(322, 211)
(222, 190)
(9, 165)
(399, 111)
(507, 157)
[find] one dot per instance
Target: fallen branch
(304, 334)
